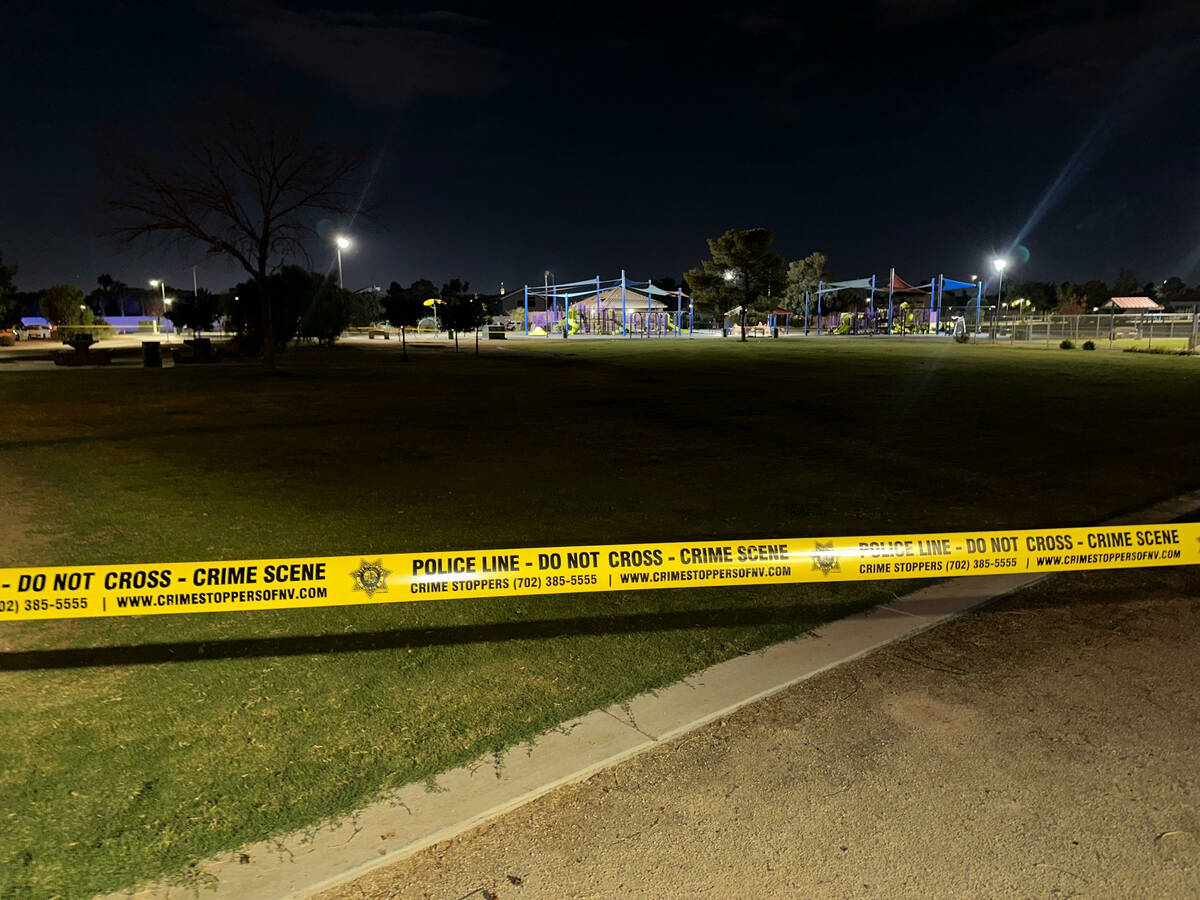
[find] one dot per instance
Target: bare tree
(248, 187)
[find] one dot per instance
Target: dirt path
(1048, 746)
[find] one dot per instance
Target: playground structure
(777, 320)
(629, 308)
(896, 318)
(617, 306)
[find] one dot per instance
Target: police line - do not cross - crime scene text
(57, 592)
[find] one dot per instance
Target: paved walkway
(1047, 746)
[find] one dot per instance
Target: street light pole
(1000, 263)
(159, 283)
(342, 243)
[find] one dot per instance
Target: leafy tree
(365, 308)
(246, 185)
(1171, 289)
(61, 304)
(404, 307)
(290, 291)
(64, 306)
(1040, 294)
(453, 290)
(803, 277)
(1126, 284)
(742, 272)
(465, 314)
(197, 312)
(423, 289)
(1097, 293)
(458, 313)
(329, 309)
(10, 304)
(306, 304)
(110, 295)
(1070, 296)
(151, 300)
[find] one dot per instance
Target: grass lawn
(134, 746)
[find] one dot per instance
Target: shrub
(1067, 345)
(962, 338)
(1089, 345)
(328, 314)
(1158, 351)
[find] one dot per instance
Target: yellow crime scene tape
(59, 592)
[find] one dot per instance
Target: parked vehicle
(39, 332)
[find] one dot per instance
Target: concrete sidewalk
(1045, 746)
(417, 817)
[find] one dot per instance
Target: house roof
(1133, 303)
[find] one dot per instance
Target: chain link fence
(1141, 331)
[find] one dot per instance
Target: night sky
(586, 138)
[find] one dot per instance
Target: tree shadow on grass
(807, 615)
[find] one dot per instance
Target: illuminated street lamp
(343, 243)
(1000, 264)
(162, 285)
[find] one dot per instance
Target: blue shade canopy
(659, 292)
(841, 285)
(950, 284)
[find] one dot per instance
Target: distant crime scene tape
(60, 592)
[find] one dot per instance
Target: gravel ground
(1046, 746)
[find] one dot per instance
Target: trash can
(151, 355)
(775, 332)
(202, 347)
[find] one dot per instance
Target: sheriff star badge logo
(827, 561)
(370, 577)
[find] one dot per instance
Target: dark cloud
(379, 61)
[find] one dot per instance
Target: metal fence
(1130, 330)
(989, 324)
